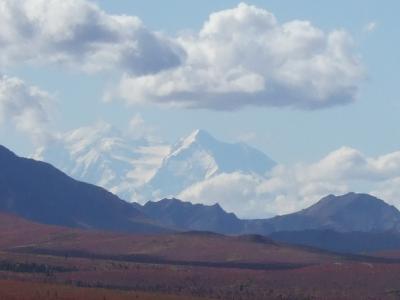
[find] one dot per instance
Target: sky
(296, 79)
(286, 134)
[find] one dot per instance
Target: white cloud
(290, 188)
(25, 108)
(235, 192)
(389, 190)
(371, 26)
(79, 33)
(244, 56)
(139, 129)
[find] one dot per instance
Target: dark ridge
(39, 192)
(185, 216)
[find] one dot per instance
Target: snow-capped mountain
(141, 169)
(200, 156)
(102, 155)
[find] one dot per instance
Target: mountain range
(351, 223)
(185, 216)
(38, 191)
(140, 169)
(351, 212)
(102, 155)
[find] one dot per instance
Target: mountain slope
(351, 223)
(346, 213)
(200, 156)
(185, 216)
(39, 192)
(141, 169)
(102, 155)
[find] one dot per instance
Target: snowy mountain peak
(200, 135)
(200, 156)
(228, 157)
(197, 136)
(141, 169)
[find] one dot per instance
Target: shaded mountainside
(346, 213)
(38, 191)
(353, 223)
(179, 215)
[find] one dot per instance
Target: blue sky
(288, 135)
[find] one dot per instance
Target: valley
(70, 262)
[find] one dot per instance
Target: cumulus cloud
(244, 56)
(79, 33)
(26, 108)
(241, 56)
(290, 188)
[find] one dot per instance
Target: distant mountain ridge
(352, 223)
(347, 213)
(179, 215)
(142, 170)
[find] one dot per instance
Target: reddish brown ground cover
(20, 290)
(44, 262)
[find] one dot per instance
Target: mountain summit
(200, 156)
(346, 213)
(142, 169)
